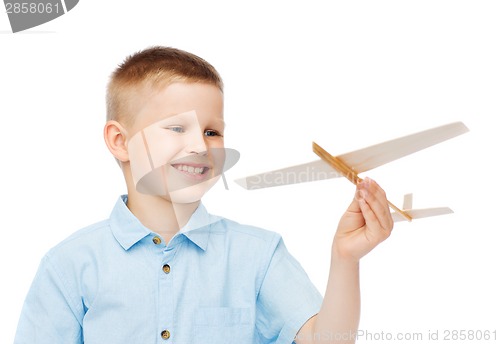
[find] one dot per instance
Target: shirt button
(166, 268)
(165, 334)
(157, 240)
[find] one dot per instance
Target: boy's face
(175, 145)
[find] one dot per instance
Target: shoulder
(249, 231)
(246, 238)
(246, 231)
(83, 240)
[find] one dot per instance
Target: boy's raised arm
(366, 223)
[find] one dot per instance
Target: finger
(374, 231)
(381, 206)
(371, 220)
(376, 198)
(354, 206)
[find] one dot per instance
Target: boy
(162, 269)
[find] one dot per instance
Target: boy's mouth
(193, 169)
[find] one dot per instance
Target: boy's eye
(176, 128)
(211, 132)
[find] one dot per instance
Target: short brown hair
(156, 67)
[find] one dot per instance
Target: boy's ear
(116, 140)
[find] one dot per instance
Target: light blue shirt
(217, 281)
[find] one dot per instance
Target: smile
(191, 169)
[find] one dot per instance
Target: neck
(159, 214)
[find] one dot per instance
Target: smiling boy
(162, 269)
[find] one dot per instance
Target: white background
(345, 74)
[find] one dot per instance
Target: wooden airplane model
(349, 165)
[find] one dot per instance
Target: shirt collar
(128, 230)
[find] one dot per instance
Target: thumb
(352, 218)
(354, 206)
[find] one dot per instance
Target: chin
(192, 193)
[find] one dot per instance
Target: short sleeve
(286, 300)
(50, 314)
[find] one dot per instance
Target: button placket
(166, 294)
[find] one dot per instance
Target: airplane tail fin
(418, 213)
(408, 202)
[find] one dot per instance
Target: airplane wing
(368, 158)
(360, 160)
(308, 172)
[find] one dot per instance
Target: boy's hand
(366, 223)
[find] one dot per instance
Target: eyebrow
(168, 117)
(222, 120)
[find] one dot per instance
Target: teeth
(190, 169)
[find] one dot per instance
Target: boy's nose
(196, 143)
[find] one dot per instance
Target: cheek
(140, 163)
(214, 144)
(217, 156)
(161, 146)
(149, 150)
